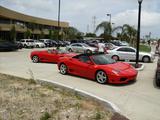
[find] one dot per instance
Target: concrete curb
(102, 101)
(141, 68)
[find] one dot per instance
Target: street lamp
(110, 24)
(109, 18)
(138, 32)
(59, 11)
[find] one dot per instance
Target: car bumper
(120, 79)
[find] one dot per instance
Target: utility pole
(94, 24)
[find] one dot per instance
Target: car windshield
(102, 60)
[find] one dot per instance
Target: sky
(80, 13)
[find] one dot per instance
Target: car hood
(120, 66)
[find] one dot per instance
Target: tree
(106, 27)
(13, 34)
(90, 35)
(128, 33)
(72, 33)
(27, 34)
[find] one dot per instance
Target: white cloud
(80, 12)
(148, 19)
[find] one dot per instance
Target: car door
(81, 67)
(131, 53)
(50, 56)
(77, 48)
(126, 53)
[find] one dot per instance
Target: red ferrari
(50, 55)
(97, 67)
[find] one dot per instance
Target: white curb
(107, 103)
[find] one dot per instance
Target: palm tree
(128, 33)
(107, 29)
(72, 33)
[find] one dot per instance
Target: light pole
(59, 12)
(138, 32)
(109, 17)
(110, 25)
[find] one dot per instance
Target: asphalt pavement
(137, 101)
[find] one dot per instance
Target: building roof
(7, 13)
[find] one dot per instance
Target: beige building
(23, 23)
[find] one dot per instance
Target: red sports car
(98, 67)
(50, 55)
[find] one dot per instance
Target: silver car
(81, 48)
(129, 53)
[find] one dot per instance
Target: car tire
(115, 57)
(146, 59)
(157, 79)
(37, 46)
(63, 69)
(70, 50)
(35, 59)
(25, 46)
(88, 52)
(101, 77)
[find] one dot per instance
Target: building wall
(21, 22)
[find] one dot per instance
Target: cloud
(148, 19)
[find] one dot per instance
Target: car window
(84, 58)
(122, 49)
(130, 50)
(126, 50)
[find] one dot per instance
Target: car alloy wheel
(35, 59)
(101, 77)
(63, 69)
(146, 59)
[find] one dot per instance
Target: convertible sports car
(98, 67)
(50, 55)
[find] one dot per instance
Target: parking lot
(138, 101)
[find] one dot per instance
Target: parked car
(27, 43)
(110, 46)
(19, 44)
(118, 43)
(54, 43)
(8, 46)
(158, 73)
(81, 47)
(39, 44)
(129, 53)
(50, 55)
(98, 67)
(47, 42)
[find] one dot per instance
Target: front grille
(123, 79)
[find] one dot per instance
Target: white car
(129, 53)
(39, 44)
(81, 48)
(27, 43)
